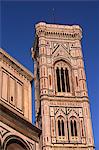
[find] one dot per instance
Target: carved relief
(61, 51)
(65, 115)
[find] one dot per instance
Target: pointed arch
(60, 121)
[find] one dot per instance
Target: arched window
(16, 144)
(61, 131)
(73, 126)
(63, 81)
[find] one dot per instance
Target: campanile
(61, 98)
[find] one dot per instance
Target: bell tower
(61, 99)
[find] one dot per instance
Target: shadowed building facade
(16, 129)
(61, 98)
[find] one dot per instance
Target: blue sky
(18, 20)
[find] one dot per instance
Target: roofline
(28, 73)
(76, 26)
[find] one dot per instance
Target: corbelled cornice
(63, 31)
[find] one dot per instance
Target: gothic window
(73, 125)
(63, 81)
(61, 131)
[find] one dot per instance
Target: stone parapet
(62, 31)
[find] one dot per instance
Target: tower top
(67, 31)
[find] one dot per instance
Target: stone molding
(14, 64)
(8, 134)
(59, 31)
(19, 123)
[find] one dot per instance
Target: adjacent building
(16, 129)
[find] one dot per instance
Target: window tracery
(62, 77)
(60, 122)
(68, 125)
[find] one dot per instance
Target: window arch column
(61, 128)
(74, 129)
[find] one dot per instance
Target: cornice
(65, 98)
(5, 57)
(54, 30)
(59, 26)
